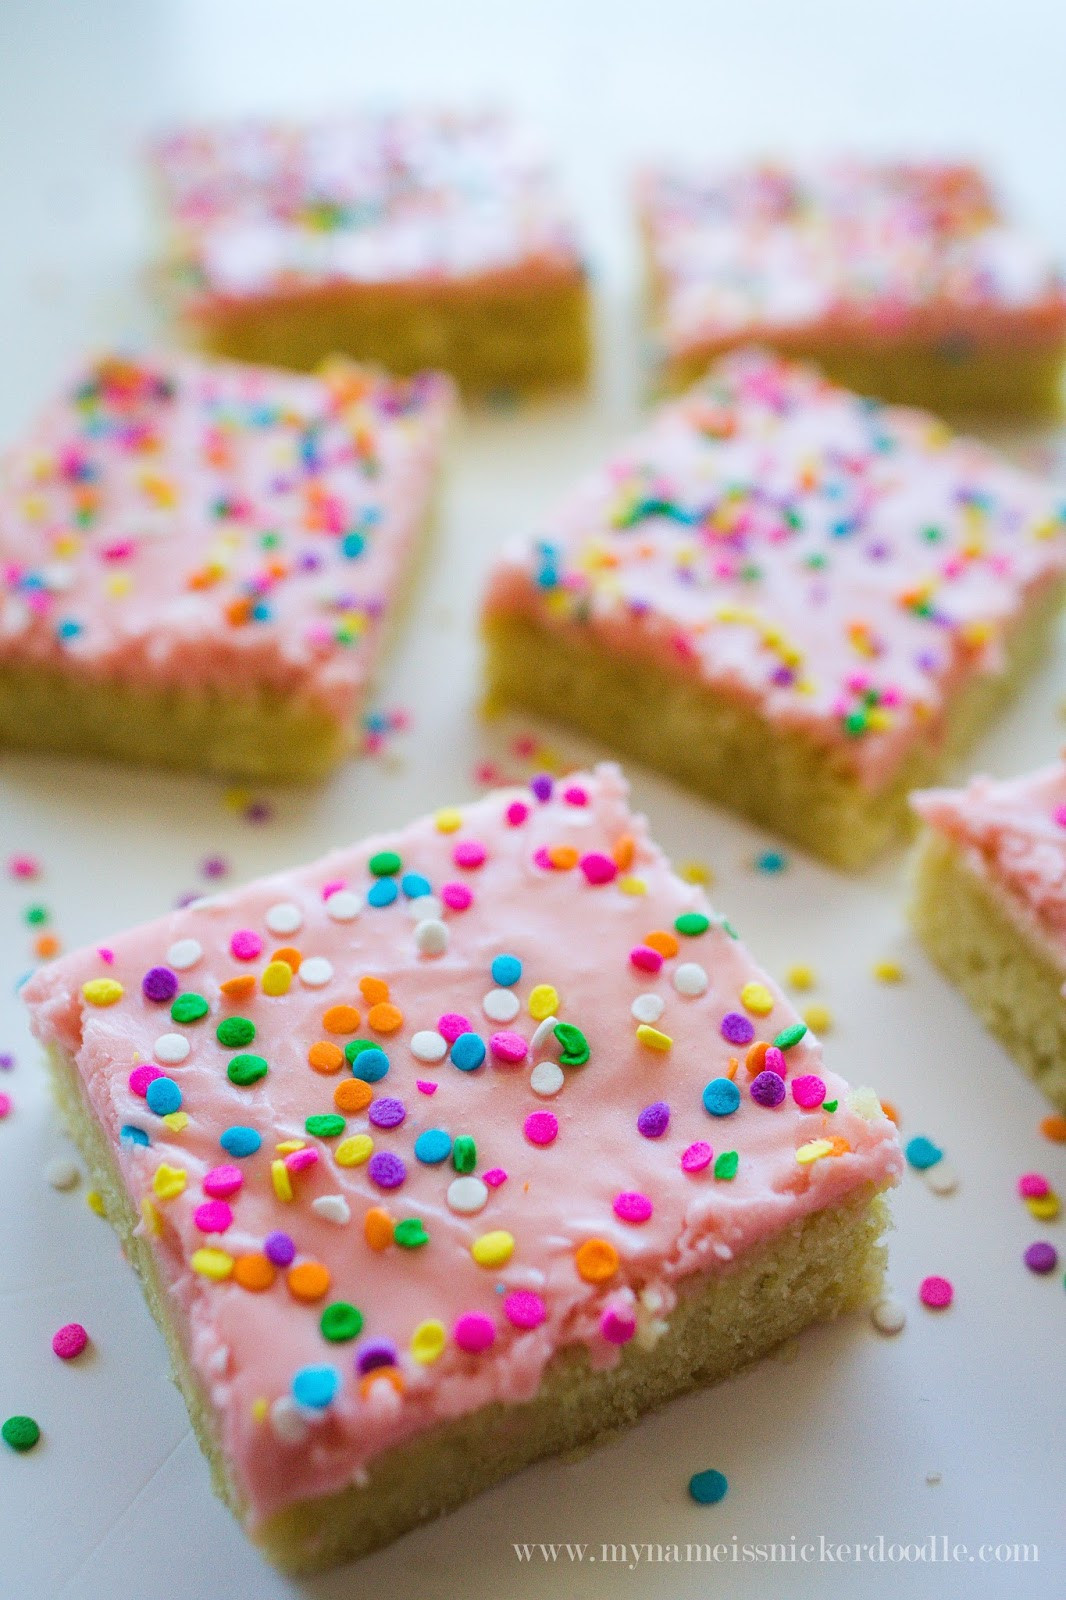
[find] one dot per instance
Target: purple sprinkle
(7, 1060)
(279, 1248)
(159, 984)
(768, 1089)
(542, 786)
(387, 1112)
(1041, 1257)
(737, 1029)
(186, 898)
(654, 1120)
(374, 1353)
(214, 867)
(258, 811)
(387, 1170)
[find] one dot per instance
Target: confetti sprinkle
(69, 1341)
(936, 1293)
(1041, 1257)
(707, 1488)
(20, 1432)
(888, 1315)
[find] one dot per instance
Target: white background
(842, 1438)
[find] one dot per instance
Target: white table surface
(955, 1428)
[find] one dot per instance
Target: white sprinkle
(543, 1034)
(932, 1478)
(428, 1045)
(170, 1048)
(431, 937)
(942, 1179)
(467, 1195)
(500, 1005)
(889, 1315)
(690, 979)
(284, 917)
(288, 1421)
(316, 972)
(186, 953)
(62, 1173)
(547, 1078)
(648, 1007)
(332, 1208)
(343, 906)
(425, 908)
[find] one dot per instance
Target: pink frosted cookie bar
(903, 280)
(411, 238)
(989, 905)
(800, 602)
(454, 1150)
(198, 560)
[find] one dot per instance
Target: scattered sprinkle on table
(888, 972)
(888, 1315)
(69, 1341)
(1041, 1257)
(936, 1293)
(922, 1153)
(707, 1488)
(21, 1433)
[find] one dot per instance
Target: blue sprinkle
(707, 1488)
(315, 1386)
(376, 722)
(506, 970)
(771, 861)
(133, 1135)
(382, 893)
(238, 1141)
(371, 1065)
(415, 886)
(721, 1097)
(261, 612)
(68, 629)
(922, 1152)
(433, 1146)
(163, 1096)
(468, 1051)
(353, 545)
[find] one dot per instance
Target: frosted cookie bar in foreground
(417, 239)
(900, 279)
(799, 602)
(454, 1150)
(989, 905)
(198, 560)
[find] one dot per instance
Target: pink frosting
(650, 1196)
(1012, 833)
(843, 248)
(840, 564)
(177, 521)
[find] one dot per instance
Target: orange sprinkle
(240, 986)
(290, 955)
(624, 851)
(840, 1147)
(733, 1068)
(755, 1060)
(378, 1228)
(239, 611)
(665, 943)
(596, 1260)
(307, 1280)
(341, 1019)
(391, 1375)
(45, 945)
(254, 1271)
(352, 1095)
(893, 1115)
(562, 857)
(385, 1018)
(325, 1057)
(1054, 1127)
(373, 990)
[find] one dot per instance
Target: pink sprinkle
(451, 1025)
(516, 813)
(774, 1061)
(936, 1293)
(1033, 1186)
(543, 860)
(474, 1332)
(632, 1206)
(524, 1309)
(575, 796)
(425, 1086)
(106, 955)
(5, 1105)
(69, 1341)
(541, 1127)
(469, 853)
(618, 1325)
(245, 945)
(1059, 816)
(494, 1177)
(23, 866)
(509, 1047)
(456, 896)
(213, 1216)
(645, 959)
(598, 868)
(223, 1181)
(300, 1160)
(333, 887)
(808, 1091)
(142, 1076)
(696, 1157)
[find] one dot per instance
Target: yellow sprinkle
(543, 1002)
(236, 799)
(287, 1146)
(653, 1038)
(813, 1150)
(888, 972)
(818, 1018)
(121, 584)
(756, 997)
(95, 1201)
(697, 872)
(277, 977)
(801, 977)
(176, 1121)
(1045, 1208)
(631, 885)
(449, 820)
(102, 991)
(493, 1249)
(152, 1220)
(354, 1151)
(279, 1177)
(169, 1182)
(213, 1264)
(260, 1408)
(428, 1341)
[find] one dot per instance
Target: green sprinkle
(355, 1047)
(244, 1070)
(726, 1164)
(385, 863)
(327, 1126)
(790, 1036)
(464, 1154)
(21, 1433)
(575, 1047)
(410, 1233)
(729, 928)
(233, 1031)
(36, 915)
(692, 923)
(855, 723)
(830, 1105)
(189, 1008)
(340, 1322)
